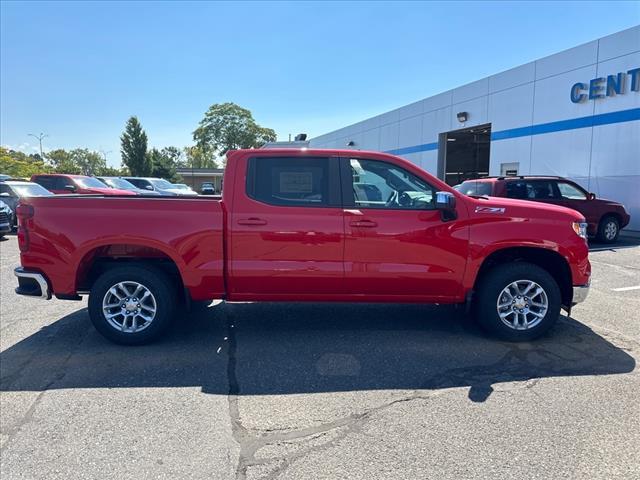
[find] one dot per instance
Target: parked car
(186, 188)
(81, 184)
(11, 191)
(287, 229)
(159, 185)
(207, 188)
(6, 219)
(605, 218)
(122, 184)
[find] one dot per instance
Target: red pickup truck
(306, 225)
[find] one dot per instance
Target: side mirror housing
(70, 188)
(148, 187)
(446, 203)
(592, 196)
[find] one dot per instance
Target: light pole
(39, 137)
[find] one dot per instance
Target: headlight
(580, 228)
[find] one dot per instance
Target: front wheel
(131, 305)
(518, 302)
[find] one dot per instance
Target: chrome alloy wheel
(522, 304)
(610, 230)
(129, 307)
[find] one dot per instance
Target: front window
(89, 182)
(120, 183)
(474, 188)
(571, 192)
(162, 184)
(379, 184)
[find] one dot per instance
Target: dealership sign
(602, 87)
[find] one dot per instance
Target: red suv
(57, 183)
(605, 218)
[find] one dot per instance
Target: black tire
(607, 225)
(491, 287)
(155, 281)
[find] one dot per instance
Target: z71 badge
(490, 210)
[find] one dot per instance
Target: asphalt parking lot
(300, 391)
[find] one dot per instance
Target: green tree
(79, 161)
(227, 126)
(134, 149)
(162, 165)
(197, 157)
(21, 165)
(176, 156)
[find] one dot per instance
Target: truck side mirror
(446, 203)
(70, 188)
(148, 187)
(592, 196)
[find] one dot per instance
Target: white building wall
(605, 159)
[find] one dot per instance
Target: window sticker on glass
(296, 182)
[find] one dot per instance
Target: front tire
(132, 305)
(518, 302)
(608, 229)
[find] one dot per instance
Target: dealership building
(575, 114)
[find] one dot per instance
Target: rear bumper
(32, 284)
(580, 293)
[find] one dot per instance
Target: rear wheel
(518, 301)
(132, 305)
(608, 229)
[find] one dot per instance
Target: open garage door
(466, 154)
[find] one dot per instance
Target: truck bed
(76, 230)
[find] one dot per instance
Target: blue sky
(77, 71)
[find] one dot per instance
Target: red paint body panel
(64, 231)
(242, 249)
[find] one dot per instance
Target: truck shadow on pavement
(288, 348)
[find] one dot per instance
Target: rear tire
(132, 305)
(608, 229)
(518, 302)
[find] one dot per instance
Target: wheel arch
(100, 258)
(549, 260)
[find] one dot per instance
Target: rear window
(475, 188)
(291, 181)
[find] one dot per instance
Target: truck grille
(4, 218)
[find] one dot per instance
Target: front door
(397, 246)
(287, 234)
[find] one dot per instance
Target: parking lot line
(626, 289)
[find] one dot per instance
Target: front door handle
(252, 221)
(364, 223)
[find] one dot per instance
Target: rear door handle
(364, 223)
(252, 221)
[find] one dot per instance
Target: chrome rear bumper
(32, 284)
(580, 293)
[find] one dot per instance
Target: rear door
(397, 246)
(286, 229)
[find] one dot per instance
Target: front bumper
(32, 284)
(580, 293)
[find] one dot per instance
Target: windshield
(89, 182)
(30, 190)
(120, 183)
(474, 188)
(160, 183)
